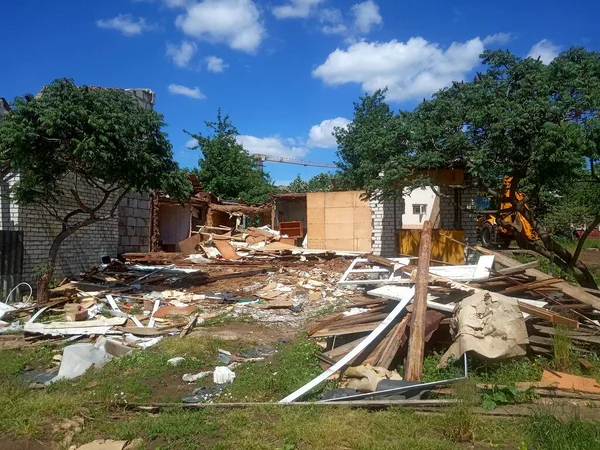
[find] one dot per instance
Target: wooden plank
(226, 249)
(400, 307)
(323, 323)
(360, 328)
(395, 343)
(530, 286)
(358, 319)
(416, 340)
(343, 349)
(548, 315)
(380, 260)
(582, 337)
(569, 289)
(520, 268)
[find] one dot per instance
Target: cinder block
(141, 222)
(131, 221)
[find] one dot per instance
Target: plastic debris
(223, 375)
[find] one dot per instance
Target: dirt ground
(591, 257)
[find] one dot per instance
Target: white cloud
(182, 54)
(273, 146)
(340, 28)
(233, 22)
(214, 64)
(126, 24)
(410, 70)
(178, 89)
(498, 38)
(366, 15)
(321, 135)
(330, 15)
(191, 143)
(296, 9)
(545, 50)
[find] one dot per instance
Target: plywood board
(339, 221)
(442, 248)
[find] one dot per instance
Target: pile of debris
(495, 309)
(252, 243)
(119, 306)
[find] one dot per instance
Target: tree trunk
(43, 285)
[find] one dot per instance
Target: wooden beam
(530, 286)
(394, 344)
(416, 341)
(323, 323)
(360, 328)
(569, 289)
(548, 315)
(380, 260)
(520, 268)
(343, 349)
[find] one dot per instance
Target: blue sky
(285, 70)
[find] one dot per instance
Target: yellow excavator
(500, 228)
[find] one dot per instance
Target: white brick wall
(384, 228)
(85, 247)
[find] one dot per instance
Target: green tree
(225, 168)
(536, 123)
(297, 186)
(322, 182)
(367, 147)
(101, 138)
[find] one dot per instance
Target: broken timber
(354, 352)
(416, 341)
(569, 289)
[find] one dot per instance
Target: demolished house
(494, 309)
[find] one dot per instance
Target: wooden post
(416, 341)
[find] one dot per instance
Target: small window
(419, 209)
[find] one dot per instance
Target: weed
(506, 395)
(561, 343)
(460, 421)
(227, 319)
(549, 433)
(431, 371)
(510, 372)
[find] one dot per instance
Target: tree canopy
(225, 168)
(323, 182)
(536, 123)
(100, 137)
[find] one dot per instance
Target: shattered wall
(134, 224)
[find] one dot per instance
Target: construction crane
(261, 159)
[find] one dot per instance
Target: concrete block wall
(134, 224)
(78, 252)
(384, 227)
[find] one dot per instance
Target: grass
(144, 376)
(293, 366)
(550, 433)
